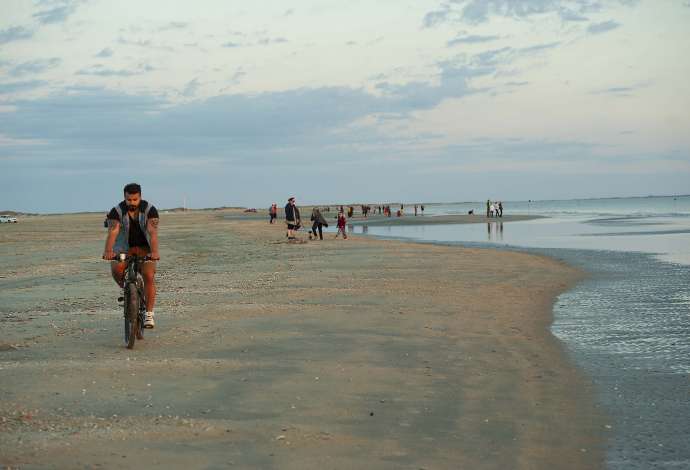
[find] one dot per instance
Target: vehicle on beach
(7, 219)
(134, 298)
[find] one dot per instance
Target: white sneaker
(148, 322)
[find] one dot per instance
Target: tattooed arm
(113, 230)
(152, 227)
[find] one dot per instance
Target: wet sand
(333, 354)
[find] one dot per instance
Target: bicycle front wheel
(132, 303)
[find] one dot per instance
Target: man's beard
(132, 208)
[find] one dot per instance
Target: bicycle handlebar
(126, 257)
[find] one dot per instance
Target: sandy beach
(330, 354)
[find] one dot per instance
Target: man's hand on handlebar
(108, 255)
(154, 256)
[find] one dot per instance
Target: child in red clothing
(341, 225)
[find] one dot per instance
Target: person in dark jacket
(292, 218)
(319, 222)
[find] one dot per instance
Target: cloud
(105, 53)
(506, 55)
(289, 12)
(102, 71)
(233, 124)
(174, 25)
(145, 43)
(15, 87)
(57, 14)
(15, 33)
(191, 88)
(622, 90)
(471, 39)
(139, 42)
(269, 41)
(437, 17)
(598, 28)
(569, 15)
(265, 41)
(34, 66)
(480, 11)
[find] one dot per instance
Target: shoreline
(440, 219)
(337, 353)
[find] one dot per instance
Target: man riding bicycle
(133, 229)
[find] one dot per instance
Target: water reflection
(495, 231)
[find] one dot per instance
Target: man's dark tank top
(136, 234)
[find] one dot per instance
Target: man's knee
(149, 273)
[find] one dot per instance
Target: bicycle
(134, 298)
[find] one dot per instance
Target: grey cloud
(117, 122)
(237, 76)
(191, 88)
(598, 28)
(259, 42)
(139, 42)
(289, 12)
(621, 91)
(101, 70)
(568, 15)
(34, 66)
(57, 14)
(14, 87)
(505, 55)
(479, 11)
(146, 43)
(471, 39)
(106, 52)
(15, 33)
(538, 47)
(269, 41)
(173, 25)
(436, 17)
(517, 83)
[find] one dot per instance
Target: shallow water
(627, 326)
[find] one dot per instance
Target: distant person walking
(500, 209)
(342, 221)
(292, 218)
(319, 221)
(488, 208)
(422, 207)
(273, 212)
(415, 210)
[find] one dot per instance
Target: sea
(627, 325)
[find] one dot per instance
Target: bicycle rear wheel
(132, 303)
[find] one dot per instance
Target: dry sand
(333, 354)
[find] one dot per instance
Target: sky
(233, 103)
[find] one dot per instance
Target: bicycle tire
(132, 303)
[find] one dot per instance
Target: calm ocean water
(628, 325)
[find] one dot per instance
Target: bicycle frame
(135, 296)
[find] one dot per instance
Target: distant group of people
(494, 209)
(293, 219)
